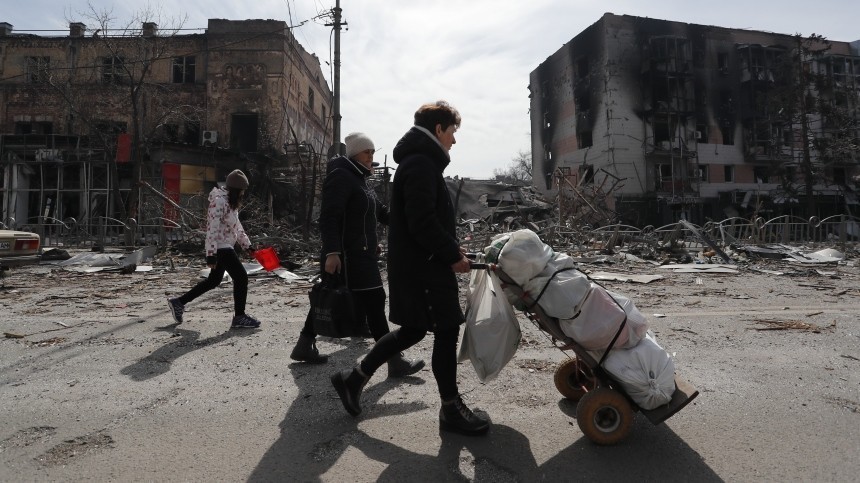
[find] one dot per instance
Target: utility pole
(337, 146)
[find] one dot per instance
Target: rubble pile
(578, 221)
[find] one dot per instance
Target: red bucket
(267, 258)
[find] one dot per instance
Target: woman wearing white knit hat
(349, 214)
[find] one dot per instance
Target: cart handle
(477, 266)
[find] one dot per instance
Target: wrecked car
(18, 248)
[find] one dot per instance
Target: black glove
(210, 260)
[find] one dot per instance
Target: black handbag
(332, 307)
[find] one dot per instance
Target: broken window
(727, 128)
(547, 153)
(99, 177)
(761, 174)
(702, 173)
(38, 69)
(113, 70)
(183, 70)
(723, 63)
(192, 132)
(586, 173)
(40, 127)
(582, 103)
(584, 140)
(243, 132)
(582, 68)
(701, 134)
(311, 98)
(662, 133)
(729, 173)
(664, 177)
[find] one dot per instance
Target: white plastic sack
(637, 324)
(646, 372)
(492, 333)
(599, 317)
(524, 256)
(563, 293)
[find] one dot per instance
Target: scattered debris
(791, 325)
(701, 268)
(623, 277)
(704, 238)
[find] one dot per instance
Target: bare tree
(518, 171)
(821, 115)
(121, 73)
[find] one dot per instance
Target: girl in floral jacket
(223, 231)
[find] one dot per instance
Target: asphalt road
(103, 386)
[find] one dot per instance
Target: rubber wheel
(570, 377)
(604, 415)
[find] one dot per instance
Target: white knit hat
(357, 142)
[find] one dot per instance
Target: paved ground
(104, 387)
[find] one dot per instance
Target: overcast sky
(476, 54)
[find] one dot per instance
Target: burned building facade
(700, 122)
(85, 117)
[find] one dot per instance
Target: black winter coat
(422, 241)
(348, 216)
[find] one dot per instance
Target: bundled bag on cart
(586, 312)
(646, 372)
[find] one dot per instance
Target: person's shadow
(184, 341)
(316, 433)
(316, 429)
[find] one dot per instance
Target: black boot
(454, 416)
(306, 351)
(398, 366)
(348, 385)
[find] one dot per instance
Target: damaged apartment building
(90, 117)
(699, 122)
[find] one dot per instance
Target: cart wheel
(571, 376)
(604, 415)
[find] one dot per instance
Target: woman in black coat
(349, 213)
(423, 258)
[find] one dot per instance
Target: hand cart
(604, 411)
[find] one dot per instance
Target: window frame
(184, 70)
(38, 67)
(728, 173)
(113, 71)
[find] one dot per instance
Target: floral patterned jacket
(223, 227)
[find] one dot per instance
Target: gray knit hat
(237, 179)
(357, 142)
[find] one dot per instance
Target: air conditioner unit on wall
(209, 137)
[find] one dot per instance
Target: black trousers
(444, 359)
(369, 305)
(226, 260)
